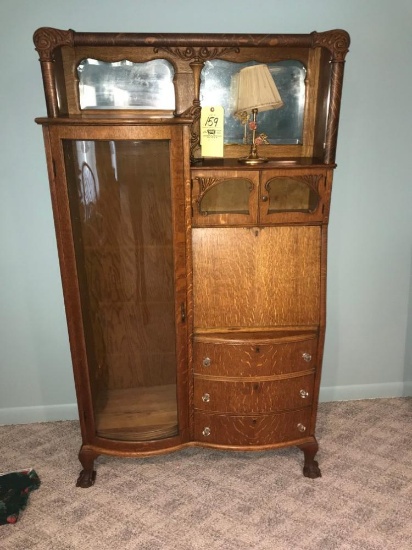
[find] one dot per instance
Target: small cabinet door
(119, 203)
(224, 197)
(293, 196)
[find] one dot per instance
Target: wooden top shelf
(233, 164)
(115, 118)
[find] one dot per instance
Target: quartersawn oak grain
(252, 277)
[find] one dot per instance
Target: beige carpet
(202, 499)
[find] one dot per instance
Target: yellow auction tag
(211, 131)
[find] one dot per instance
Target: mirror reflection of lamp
(255, 91)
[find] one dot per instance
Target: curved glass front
(120, 203)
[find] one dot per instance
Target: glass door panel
(224, 198)
(300, 196)
(291, 194)
(121, 212)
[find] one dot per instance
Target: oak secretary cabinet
(194, 284)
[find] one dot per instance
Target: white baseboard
(52, 413)
(46, 413)
(363, 391)
(407, 389)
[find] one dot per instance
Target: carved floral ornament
(197, 54)
(46, 40)
(337, 42)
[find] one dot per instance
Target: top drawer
(254, 359)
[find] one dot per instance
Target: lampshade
(256, 89)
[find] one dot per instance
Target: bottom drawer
(244, 431)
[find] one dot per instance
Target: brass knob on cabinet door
(301, 427)
(265, 198)
(205, 398)
(206, 431)
(304, 394)
(206, 362)
(307, 357)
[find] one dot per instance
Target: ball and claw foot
(86, 479)
(312, 470)
(87, 475)
(310, 466)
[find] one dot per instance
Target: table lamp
(256, 91)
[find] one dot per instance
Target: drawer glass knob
(307, 357)
(304, 394)
(206, 431)
(301, 427)
(205, 398)
(206, 362)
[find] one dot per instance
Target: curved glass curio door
(121, 212)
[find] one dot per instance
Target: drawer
(254, 359)
(245, 431)
(257, 396)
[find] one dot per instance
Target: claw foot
(86, 479)
(310, 467)
(312, 470)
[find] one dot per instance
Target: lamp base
(253, 156)
(252, 160)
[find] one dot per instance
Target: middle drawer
(254, 358)
(252, 396)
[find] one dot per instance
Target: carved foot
(87, 476)
(86, 479)
(310, 468)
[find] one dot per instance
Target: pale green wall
(367, 354)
